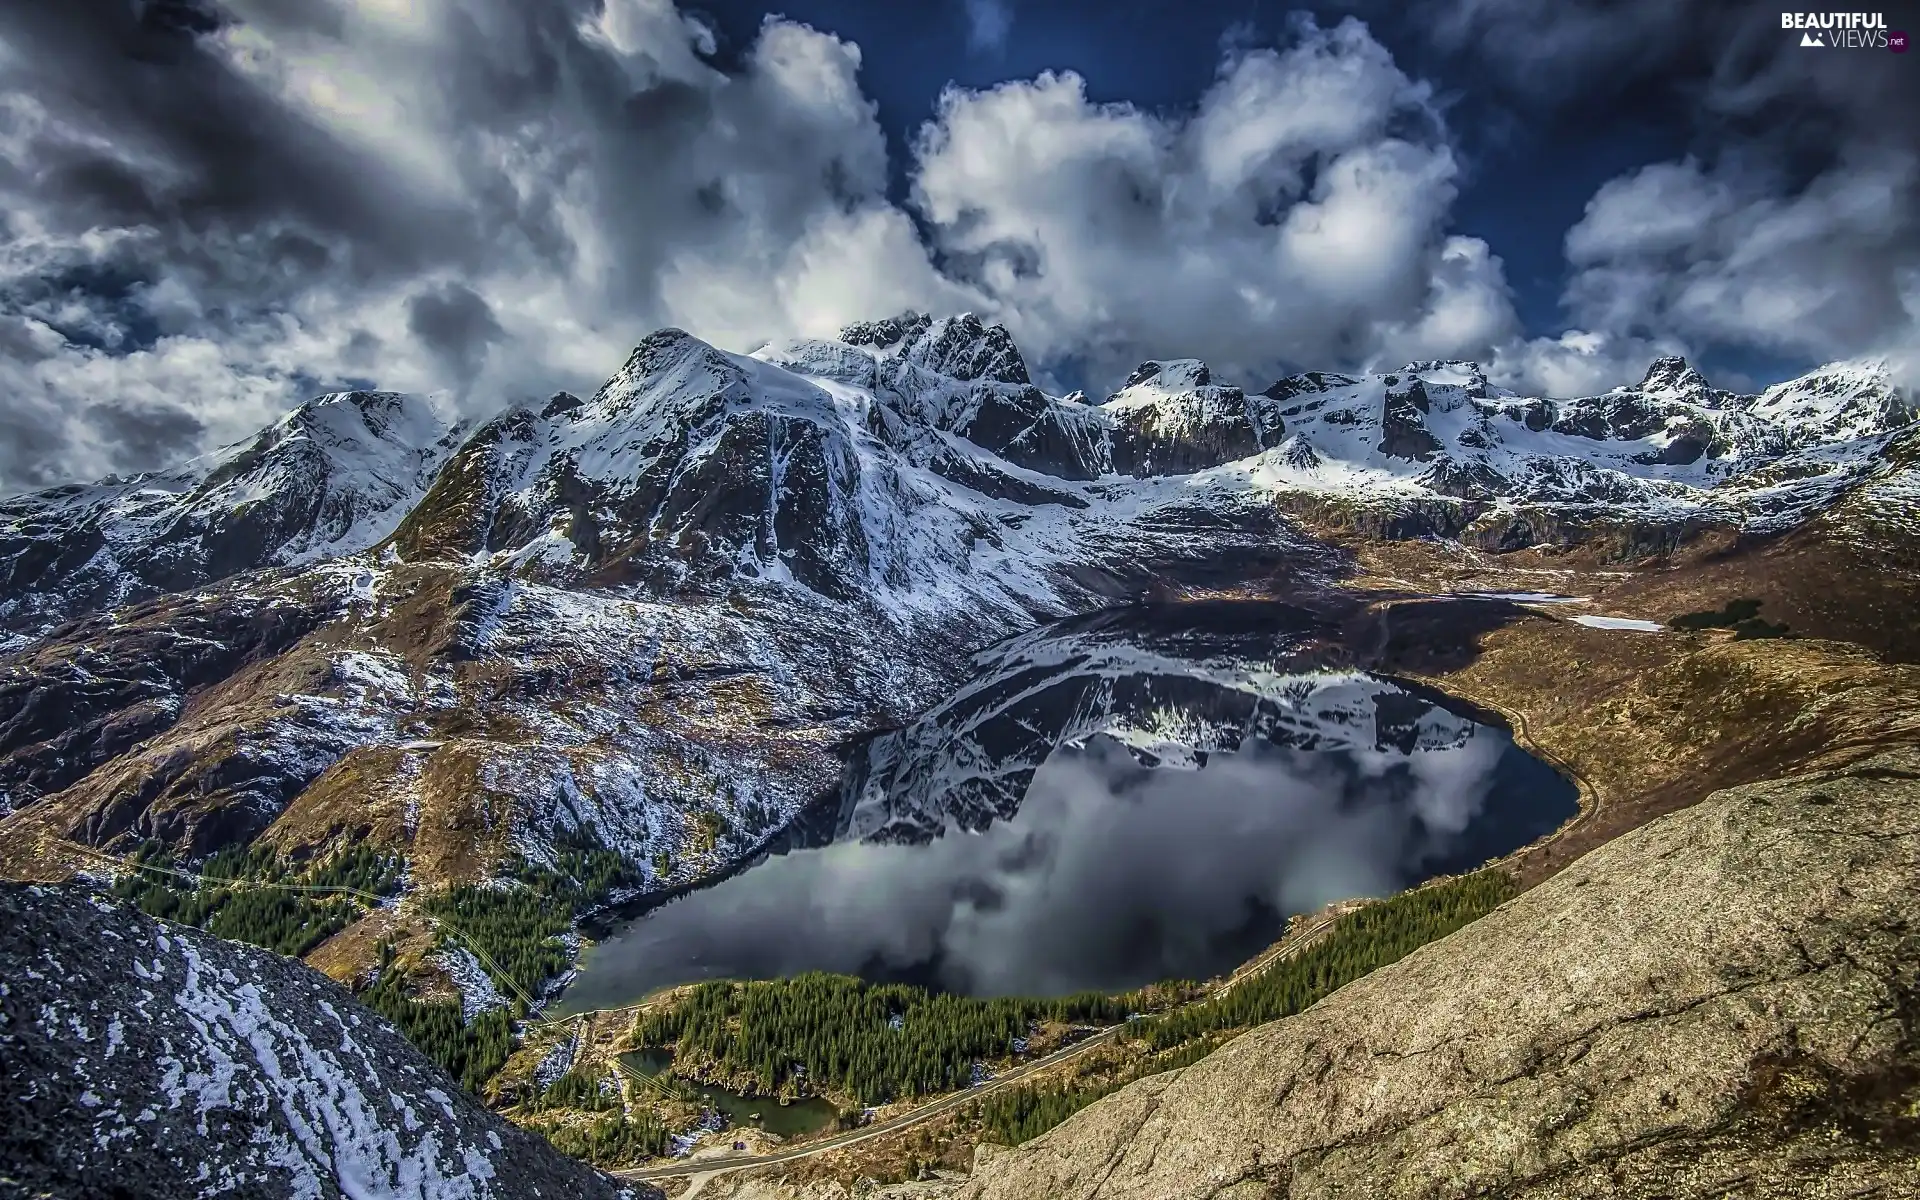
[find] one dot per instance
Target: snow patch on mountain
(1634, 624)
(174, 1063)
(477, 991)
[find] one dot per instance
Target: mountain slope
(151, 1060)
(333, 477)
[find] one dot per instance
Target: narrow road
(1293, 944)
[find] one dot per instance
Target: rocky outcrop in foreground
(145, 1059)
(1725, 1002)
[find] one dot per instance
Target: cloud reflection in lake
(1111, 873)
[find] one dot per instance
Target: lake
(1142, 794)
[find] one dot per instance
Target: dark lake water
(1143, 794)
(791, 1119)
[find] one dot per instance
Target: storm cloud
(212, 212)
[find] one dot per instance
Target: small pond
(1143, 794)
(791, 1119)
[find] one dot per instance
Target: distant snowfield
(1633, 623)
(1526, 597)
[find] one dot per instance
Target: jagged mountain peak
(1173, 374)
(1171, 418)
(358, 431)
(962, 346)
(887, 333)
(378, 408)
(332, 477)
(1844, 399)
(1309, 381)
(1672, 377)
(1445, 367)
(667, 354)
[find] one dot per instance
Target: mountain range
(664, 618)
(628, 610)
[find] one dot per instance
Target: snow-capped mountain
(1669, 455)
(1172, 684)
(1171, 418)
(332, 477)
(914, 450)
(666, 610)
(657, 610)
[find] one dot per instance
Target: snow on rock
(373, 678)
(1842, 402)
(1633, 623)
(1172, 419)
(477, 991)
(1511, 471)
(235, 1071)
(559, 1060)
(333, 477)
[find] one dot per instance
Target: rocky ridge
(1436, 450)
(147, 1059)
(331, 478)
(812, 462)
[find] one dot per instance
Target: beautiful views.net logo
(1845, 31)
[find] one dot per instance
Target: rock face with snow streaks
(145, 1059)
(1172, 419)
(331, 478)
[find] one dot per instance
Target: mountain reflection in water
(1111, 801)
